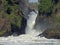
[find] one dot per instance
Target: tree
(45, 6)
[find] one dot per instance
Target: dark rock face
(8, 11)
(19, 30)
(56, 1)
(23, 26)
(51, 33)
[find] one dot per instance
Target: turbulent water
(30, 38)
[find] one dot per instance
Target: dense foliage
(11, 10)
(45, 6)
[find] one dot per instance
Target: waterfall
(30, 37)
(30, 23)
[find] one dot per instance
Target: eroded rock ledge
(53, 33)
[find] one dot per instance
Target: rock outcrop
(53, 33)
(5, 27)
(12, 10)
(48, 22)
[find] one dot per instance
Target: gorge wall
(48, 21)
(12, 10)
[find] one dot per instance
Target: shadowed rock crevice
(55, 1)
(10, 2)
(8, 11)
(19, 30)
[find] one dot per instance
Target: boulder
(51, 33)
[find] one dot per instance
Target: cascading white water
(31, 23)
(30, 37)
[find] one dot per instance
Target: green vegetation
(58, 18)
(2, 32)
(45, 6)
(58, 13)
(10, 9)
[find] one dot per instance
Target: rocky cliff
(50, 22)
(12, 20)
